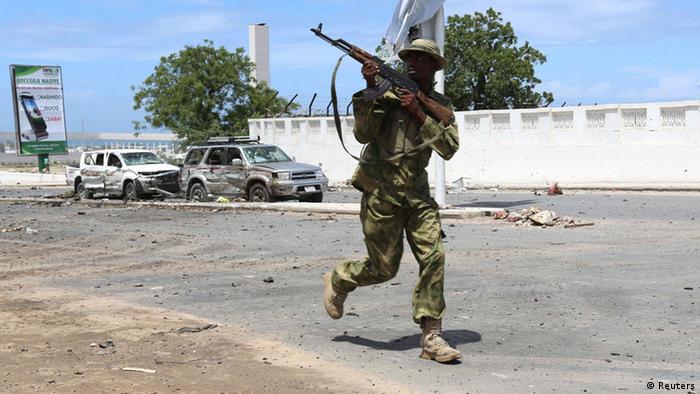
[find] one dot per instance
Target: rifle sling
(339, 129)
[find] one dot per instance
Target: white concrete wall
(653, 145)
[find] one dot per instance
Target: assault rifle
(388, 77)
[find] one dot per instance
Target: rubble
(539, 217)
(554, 190)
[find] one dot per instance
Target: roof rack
(233, 139)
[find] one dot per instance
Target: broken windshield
(140, 158)
(265, 154)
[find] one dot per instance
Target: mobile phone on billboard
(36, 120)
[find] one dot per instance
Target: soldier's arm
(447, 141)
(369, 116)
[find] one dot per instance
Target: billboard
(39, 112)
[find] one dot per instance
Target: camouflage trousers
(383, 225)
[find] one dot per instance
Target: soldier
(396, 195)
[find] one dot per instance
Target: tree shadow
(454, 337)
(496, 204)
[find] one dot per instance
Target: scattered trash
(11, 229)
(554, 190)
(352, 314)
(574, 225)
(138, 285)
(145, 370)
(30, 230)
(81, 213)
(222, 199)
(195, 329)
(268, 280)
(687, 288)
(106, 344)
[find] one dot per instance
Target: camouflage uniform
(396, 198)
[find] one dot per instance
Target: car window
(195, 156)
(89, 159)
(232, 153)
(141, 158)
(265, 154)
(216, 156)
(100, 159)
(113, 161)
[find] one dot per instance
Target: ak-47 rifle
(388, 78)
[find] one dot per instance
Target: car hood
(291, 166)
(154, 168)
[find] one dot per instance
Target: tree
(486, 68)
(203, 91)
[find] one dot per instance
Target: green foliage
(486, 68)
(203, 91)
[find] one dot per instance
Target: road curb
(296, 207)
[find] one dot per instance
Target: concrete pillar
(259, 50)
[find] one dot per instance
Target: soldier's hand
(409, 102)
(370, 70)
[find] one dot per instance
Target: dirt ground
(59, 340)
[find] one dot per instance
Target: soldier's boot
(333, 298)
(434, 346)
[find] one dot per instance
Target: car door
(114, 173)
(216, 177)
(235, 175)
(92, 172)
(191, 165)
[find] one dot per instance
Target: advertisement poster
(39, 111)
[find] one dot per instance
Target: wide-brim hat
(429, 47)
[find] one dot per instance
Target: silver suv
(234, 166)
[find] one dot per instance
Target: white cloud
(668, 86)
(557, 22)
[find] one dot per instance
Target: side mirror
(237, 163)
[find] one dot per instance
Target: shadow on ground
(497, 204)
(454, 337)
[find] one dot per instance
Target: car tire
(130, 192)
(316, 197)
(82, 191)
(198, 193)
(258, 193)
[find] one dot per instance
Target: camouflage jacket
(388, 130)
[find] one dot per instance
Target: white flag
(409, 13)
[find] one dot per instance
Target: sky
(598, 51)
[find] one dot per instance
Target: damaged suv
(235, 166)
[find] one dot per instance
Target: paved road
(606, 308)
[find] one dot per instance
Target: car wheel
(316, 197)
(198, 193)
(83, 192)
(258, 193)
(130, 192)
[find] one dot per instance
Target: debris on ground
(539, 217)
(144, 370)
(184, 330)
(554, 189)
(268, 280)
(222, 199)
(11, 229)
(30, 230)
(106, 344)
